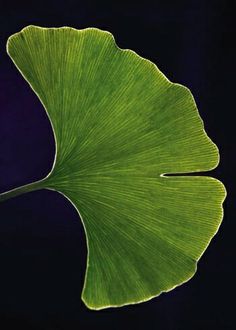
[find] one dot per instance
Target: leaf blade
(119, 125)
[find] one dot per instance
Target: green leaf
(120, 125)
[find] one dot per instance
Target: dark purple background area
(42, 243)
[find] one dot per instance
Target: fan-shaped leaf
(119, 126)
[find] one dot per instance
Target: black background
(42, 243)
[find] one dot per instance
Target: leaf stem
(22, 190)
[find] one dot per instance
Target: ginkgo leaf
(120, 127)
